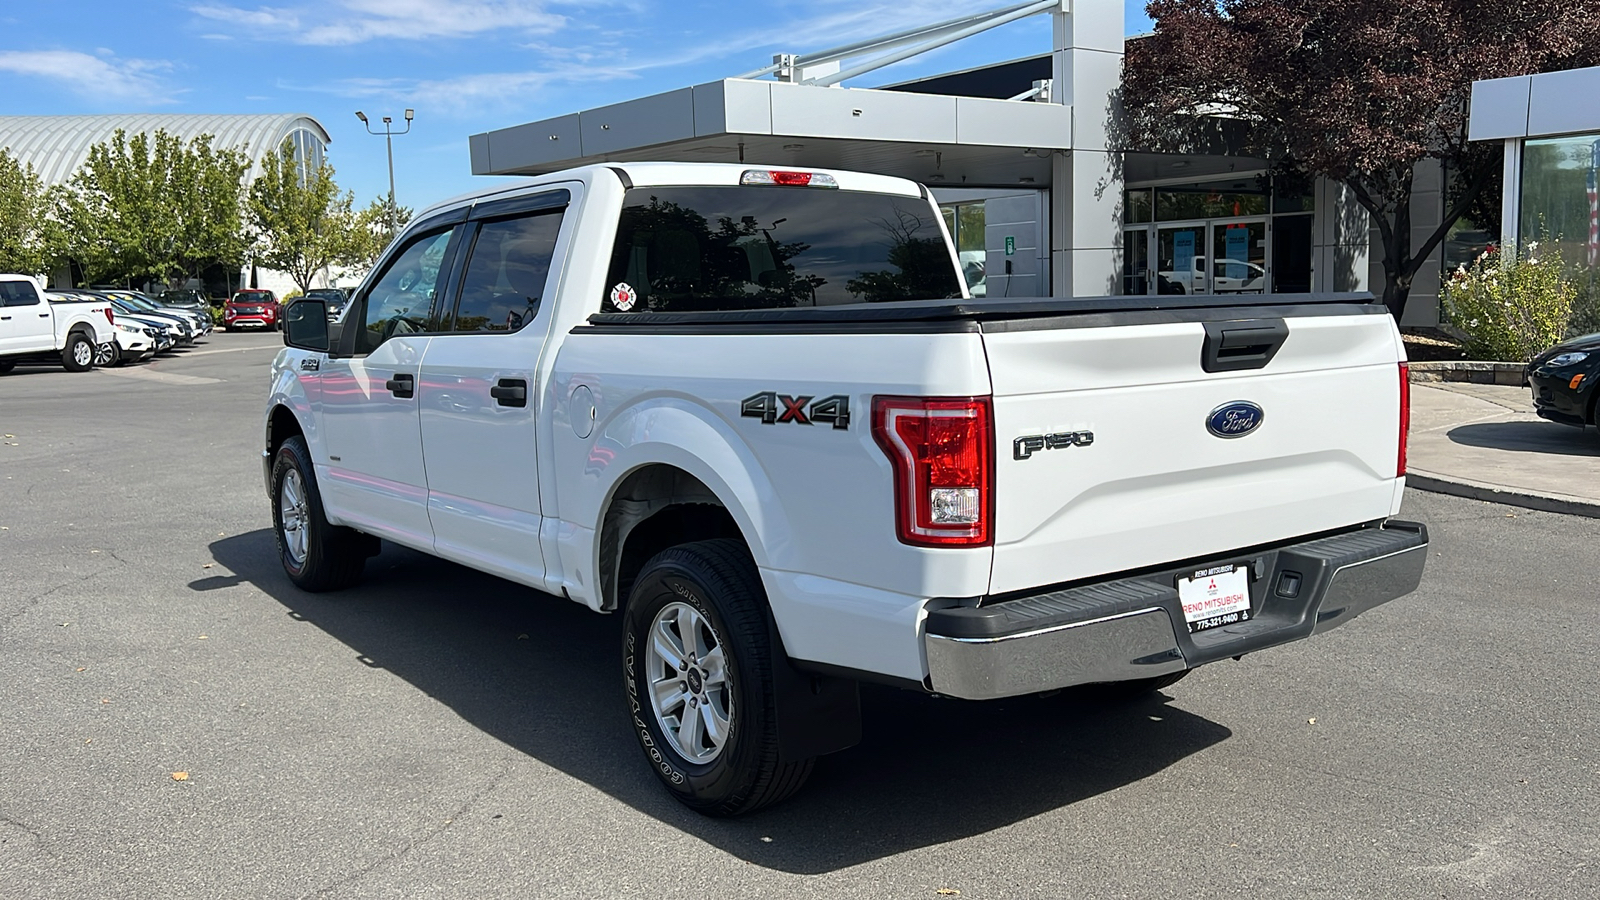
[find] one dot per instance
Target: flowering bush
(1510, 309)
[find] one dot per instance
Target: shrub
(1510, 309)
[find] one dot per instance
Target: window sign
(1183, 251)
(1238, 251)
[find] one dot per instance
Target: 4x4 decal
(772, 407)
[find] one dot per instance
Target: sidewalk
(1483, 441)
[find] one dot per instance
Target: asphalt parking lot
(441, 733)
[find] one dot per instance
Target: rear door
(1118, 450)
(26, 324)
(374, 476)
(479, 392)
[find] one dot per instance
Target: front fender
(288, 390)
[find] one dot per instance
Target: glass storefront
(1240, 235)
(966, 222)
(1560, 206)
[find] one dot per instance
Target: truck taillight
(942, 451)
(1405, 418)
(109, 316)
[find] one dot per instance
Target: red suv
(251, 309)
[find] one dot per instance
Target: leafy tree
(152, 208)
(303, 224)
(29, 238)
(373, 230)
(1359, 91)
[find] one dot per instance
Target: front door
(1239, 257)
(479, 394)
(25, 322)
(1181, 259)
(374, 477)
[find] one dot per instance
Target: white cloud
(344, 22)
(96, 77)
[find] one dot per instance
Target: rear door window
(506, 273)
(681, 249)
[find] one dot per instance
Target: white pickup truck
(753, 411)
(32, 329)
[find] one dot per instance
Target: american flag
(1594, 204)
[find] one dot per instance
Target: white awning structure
(930, 138)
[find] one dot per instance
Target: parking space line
(163, 377)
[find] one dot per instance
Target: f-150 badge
(1027, 445)
(773, 408)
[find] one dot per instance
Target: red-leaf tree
(1357, 90)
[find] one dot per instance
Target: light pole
(388, 140)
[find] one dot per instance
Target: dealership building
(55, 146)
(1552, 161)
(1023, 158)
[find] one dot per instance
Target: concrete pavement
(1484, 441)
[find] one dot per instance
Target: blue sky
(466, 66)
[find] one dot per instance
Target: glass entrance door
(1181, 259)
(1239, 257)
(1136, 261)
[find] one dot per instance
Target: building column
(1511, 199)
(1086, 181)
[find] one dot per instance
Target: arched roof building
(57, 145)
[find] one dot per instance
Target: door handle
(5, 318)
(402, 385)
(510, 392)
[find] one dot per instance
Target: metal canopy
(931, 138)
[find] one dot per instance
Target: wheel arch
(654, 507)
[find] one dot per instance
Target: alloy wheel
(687, 678)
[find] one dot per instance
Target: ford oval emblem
(1236, 419)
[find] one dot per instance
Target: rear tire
(316, 556)
(6, 366)
(78, 354)
(697, 665)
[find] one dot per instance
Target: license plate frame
(1215, 596)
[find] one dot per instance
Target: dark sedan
(1564, 381)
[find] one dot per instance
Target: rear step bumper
(1133, 628)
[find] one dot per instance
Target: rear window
(691, 249)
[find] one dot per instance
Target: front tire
(316, 556)
(105, 355)
(697, 664)
(6, 366)
(78, 354)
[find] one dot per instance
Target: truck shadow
(539, 674)
(1528, 437)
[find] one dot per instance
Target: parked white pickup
(33, 329)
(755, 411)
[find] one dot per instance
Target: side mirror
(305, 324)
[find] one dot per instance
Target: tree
(29, 238)
(1359, 91)
(302, 223)
(372, 232)
(153, 208)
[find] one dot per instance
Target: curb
(1502, 373)
(1489, 493)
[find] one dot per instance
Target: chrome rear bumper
(1130, 628)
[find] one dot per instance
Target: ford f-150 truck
(33, 328)
(754, 411)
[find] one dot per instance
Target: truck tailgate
(1154, 484)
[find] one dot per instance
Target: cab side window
(402, 300)
(18, 293)
(506, 274)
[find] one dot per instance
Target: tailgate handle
(1240, 345)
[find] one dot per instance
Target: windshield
(252, 297)
(684, 249)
